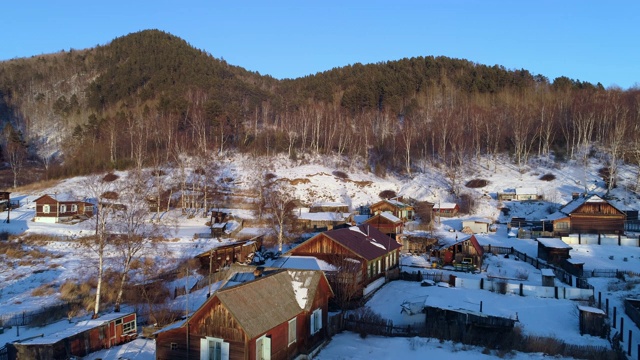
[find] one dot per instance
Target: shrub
(548, 177)
(109, 195)
(110, 177)
(522, 274)
(43, 290)
(477, 183)
(387, 194)
(340, 175)
(269, 176)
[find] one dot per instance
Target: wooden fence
(41, 317)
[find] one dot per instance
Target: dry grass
(43, 290)
(36, 186)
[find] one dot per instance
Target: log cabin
(282, 315)
(387, 223)
(403, 211)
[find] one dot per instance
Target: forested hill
(146, 97)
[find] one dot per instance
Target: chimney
(258, 271)
(575, 195)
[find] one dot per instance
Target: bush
(110, 177)
(109, 195)
(477, 183)
(548, 177)
(522, 274)
(387, 194)
(340, 175)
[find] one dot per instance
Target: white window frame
(293, 336)
(74, 208)
(205, 347)
(63, 209)
(46, 209)
(316, 321)
(263, 348)
(129, 327)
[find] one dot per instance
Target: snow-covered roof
(445, 205)
(527, 191)
(547, 272)
(328, 204)
(389, 216)
(555, 216)
(323, 216)
(78, 328)
(302, 263)
(555, 243)
(591, 309)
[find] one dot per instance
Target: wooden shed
(458, 324)
(548, 277)
(230, 253)
(266, 318)
(553, 250)
(79, 340)
(446, 209)
(593, 321)
(464, 253)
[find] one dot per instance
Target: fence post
(629, 346)
(556, 292)
(599, 299)
(481, 288)
(481, 310)
(521, 290)
(607, 310)
(598, 238)
(614, 316)
(621, 329)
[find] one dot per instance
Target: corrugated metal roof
(364, 240)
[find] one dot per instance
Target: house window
(174, 346)
(118, 321)
(46, 209)
(292, 331)
(63, 208)
(74, 208)
(263, 348)
(214, 349)
(316, 321)
(379, 267)
(129, 327)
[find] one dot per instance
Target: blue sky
(595, 41)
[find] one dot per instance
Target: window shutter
(225, 351)
(313, 323)
(266, 347)
(204, 349)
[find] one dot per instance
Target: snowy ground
(316, 183)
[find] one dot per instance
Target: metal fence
(38, 318)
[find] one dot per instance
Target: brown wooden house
(85, 337)
(589, 214)
(387, 223)
(446, 209)
(464, 252)
(278, 316)
(404, 212)
(61, 208)
(373, 252)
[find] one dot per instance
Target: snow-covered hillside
(61, 258)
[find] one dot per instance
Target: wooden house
(372, 252)
(76, 341)
(321, 221)
(414, 244)
(464, 252)
(553, 250)
(387, 223)
(589, 214)
(229, 253)
(282, 315)
(61, 208)
(520, 194)
(399, 209)
(446, 209)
